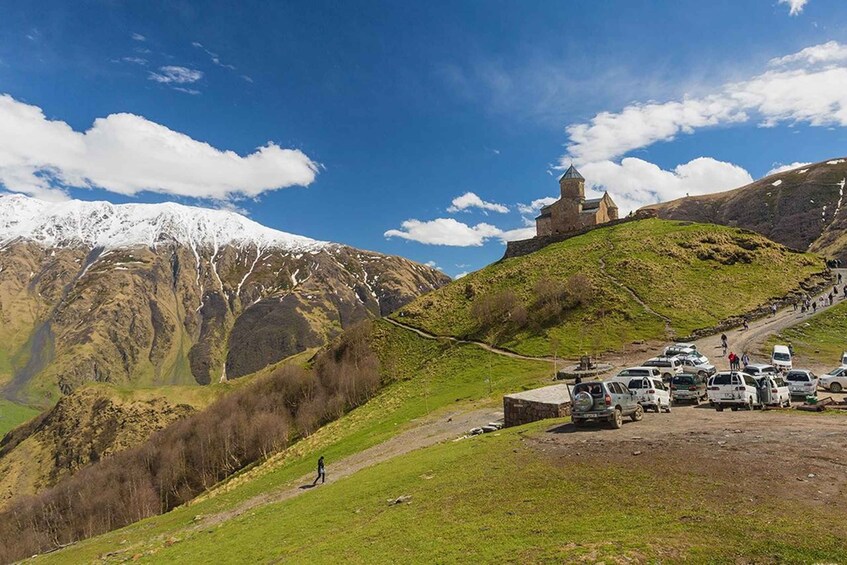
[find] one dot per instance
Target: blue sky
(349, 121)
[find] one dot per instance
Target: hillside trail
(485, 346)
(442, 427)
(428, 431)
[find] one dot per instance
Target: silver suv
(606, 401)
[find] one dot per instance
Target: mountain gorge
(802, 208)
(157, 294)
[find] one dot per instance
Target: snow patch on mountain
(102, 224)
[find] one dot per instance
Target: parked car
(605, 401)
(781, 358)
(802, 382)
(688, 388)
(733, 389)
(669, 366)
(651, 393)
(626, 374)
(757, 370)
(680, 349)
(773, 390)
(695, 364)
(835, 380)
(844, 359)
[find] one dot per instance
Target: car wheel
(666, 376)
(696, 401)
(617, 419)
(579, 423)
(734, 408)
(835, 387)
(750, 405)
(638, 414)
(718, 407)
(668, 408)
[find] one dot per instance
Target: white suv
(650, 392)
(773, 390)
(733, 389)
(802, 382)
(835, 380)
(669, 366)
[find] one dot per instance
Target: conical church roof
(572, 173)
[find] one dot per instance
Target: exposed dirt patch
(756, 456)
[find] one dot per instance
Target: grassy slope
(13, 415)
(460, 512)
(822, 338)
(430, 377)
(678, 269)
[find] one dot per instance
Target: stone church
(572, 211)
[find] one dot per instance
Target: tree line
(195, 453)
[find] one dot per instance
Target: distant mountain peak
(107, 225)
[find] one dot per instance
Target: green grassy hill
(685, 277)
(595, 292)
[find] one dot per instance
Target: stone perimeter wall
(517, 411)
(527, 246)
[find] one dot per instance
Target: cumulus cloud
(450, 232)
(128, 154)
(536, 205)
(445, 231)
(637, 182)
(829, 52)
(780, 168)
(795, 6)
(812, 94)
(173, 74)
(471, 200)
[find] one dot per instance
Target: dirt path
(429, 431)
(485, 346)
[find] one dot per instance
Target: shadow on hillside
(307, 486)
(569, 428)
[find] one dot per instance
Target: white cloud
(471, 200)
(445, 231)
(814, 95)
(213, 56)
(138, 37)
(127, 154)
(829, 52)
(517, 234)
(135, 60)
(191, 91)
(536, 205)
(795, 6)
(637, 182)
(780, 168)
(460, 275)
(172, 74)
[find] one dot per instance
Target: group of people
(735, 361)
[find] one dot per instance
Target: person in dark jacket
(321, 472)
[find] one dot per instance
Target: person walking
(724, 343)
(773, 309)
(746, 324)
(814, 306)
(745, 359)
(321, 472)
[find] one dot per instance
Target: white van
(781, 358)
(649, 389)
(844, 358)
(736, 390)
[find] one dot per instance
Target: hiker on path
(723, 343)
(773, 309)
(814, 306)
(745, 359)
(746, 324)
(321, 471)
(733, 361)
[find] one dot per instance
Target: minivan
(781, 358)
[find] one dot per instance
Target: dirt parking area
(786, 454)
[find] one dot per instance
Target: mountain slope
(154, 294)
(644, 280)
(802, 208)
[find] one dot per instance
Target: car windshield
(594, 389)
(797, 377)
(781, 357)
(835, 372)
(683, 380)
(637, 383)
(723, 379)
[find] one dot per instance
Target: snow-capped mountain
(153, 294)
(107, 225)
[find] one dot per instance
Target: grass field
(694, 275)
(497, 498)
(822, 338)
(12, 415)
